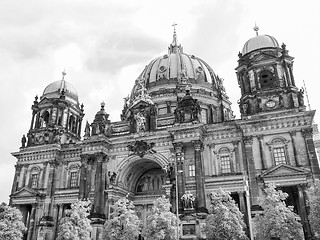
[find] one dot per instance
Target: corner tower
(57, 117)
(266, 78)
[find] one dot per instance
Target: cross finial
(63, 74)
(256, 29)
(174, 27)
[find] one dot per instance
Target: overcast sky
(104, 45)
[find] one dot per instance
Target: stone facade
(177, 136)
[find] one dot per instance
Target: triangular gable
(142, 103)
(25, 192)
(262, 56)
(284, 170)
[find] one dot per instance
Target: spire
(256, 29)
(63, 83)
(174, 42)
(174, 47)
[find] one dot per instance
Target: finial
(63, 74)
(102, 105)
(256, 29)
(174, 42)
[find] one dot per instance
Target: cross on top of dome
(174, 46)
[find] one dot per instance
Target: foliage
(225, 220)
(161, 223)
(277, 220)
(75, 225)
(124, 224)
(314, 202)
(11, 225)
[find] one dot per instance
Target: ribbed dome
(54, 90)
(258, 42)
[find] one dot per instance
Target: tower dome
(61, 87)
(259, 42)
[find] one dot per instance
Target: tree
(314, 202)
(75, 225)
(11, 225)
(124, 224)
(161, 223)
(225, 221)
(277, 221)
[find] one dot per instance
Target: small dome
(258, 42)
(55, 89)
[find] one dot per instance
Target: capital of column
(293, 133)
(260, 137)
(198, 145)
(248, 140)
(100, 156)
(178, 147)
(307, 133)
(235, 143)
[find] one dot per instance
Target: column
(311, 152)
(262, 157)
(253, 184)
(16, 178)
(83, 176)
(31, 222)
(243, 210)
(99, 190)
(237, 156)
(303, 211)
(200, 177)
(293, 140)
(180, 181)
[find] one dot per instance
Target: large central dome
(179, 67)
(165, 79)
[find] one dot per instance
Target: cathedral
(177, 136)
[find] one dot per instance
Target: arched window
(44, 119)
(266, 79)
(224, 157)
(73, 176)
(34, 177)
(72, 123)
(278, 149)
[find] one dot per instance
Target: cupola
(57, 117)
(266, 78)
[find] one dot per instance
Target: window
(204, 115)
(266, 79)
(74, 179)
(225, 164)
(279, 155)
(34, 180)
(192, 170)
(278, 150)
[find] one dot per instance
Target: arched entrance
(143, 179)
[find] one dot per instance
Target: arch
(132, 168)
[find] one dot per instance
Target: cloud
(116, 49)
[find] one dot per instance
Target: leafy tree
(277, 220)
(75, 225)
(161, 223)
(11, 225)
(124, 224)
(314, 202)
(225, 221)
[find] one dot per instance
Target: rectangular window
(279, 155)
(225, 164)
(34, 180)
(204, 115)
(74, 179)
(192, 170)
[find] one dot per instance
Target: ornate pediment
(284, 170)
(263, 57)
(25, 192)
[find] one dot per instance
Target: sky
(104, 45)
